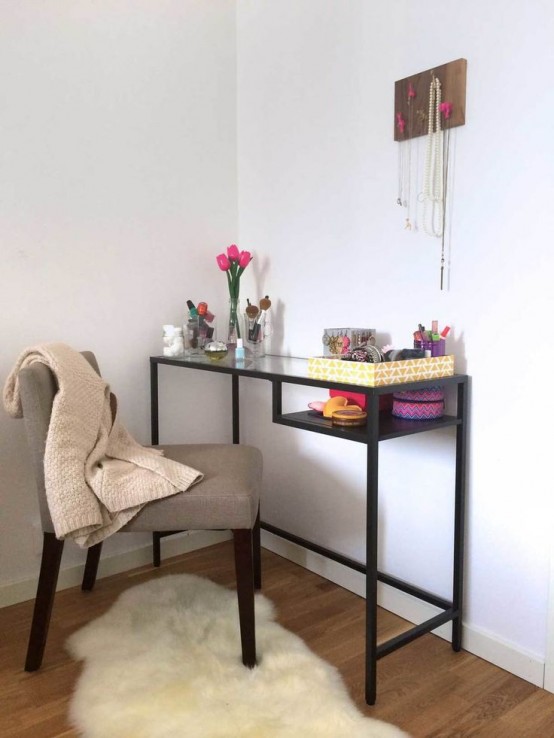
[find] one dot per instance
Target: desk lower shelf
(389, 426)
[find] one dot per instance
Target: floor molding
(14, 592)
(487, 646)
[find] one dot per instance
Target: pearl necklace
(433, 180)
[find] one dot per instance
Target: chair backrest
(38, 387)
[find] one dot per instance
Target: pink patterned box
(426, 404)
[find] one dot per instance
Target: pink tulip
(245, 258)
(411, 91)
(233, 252)
(223, 262)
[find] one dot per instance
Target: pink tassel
(400, 122)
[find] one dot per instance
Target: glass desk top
(290, 369)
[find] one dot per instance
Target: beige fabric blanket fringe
(97, 476)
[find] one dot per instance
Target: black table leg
(154, 422)
(371, 548)
(236, 416)
(459, 517)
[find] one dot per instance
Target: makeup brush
(265, 304)
(251, 310)
(252, 313)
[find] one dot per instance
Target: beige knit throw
(97, 477)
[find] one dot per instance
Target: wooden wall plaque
(415, 111)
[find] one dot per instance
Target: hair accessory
(368, 353)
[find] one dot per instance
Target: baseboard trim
(487, 646)
(14, 592)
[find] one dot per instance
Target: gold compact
(349, 418)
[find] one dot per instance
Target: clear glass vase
(233, 331)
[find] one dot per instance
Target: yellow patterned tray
(377, 375)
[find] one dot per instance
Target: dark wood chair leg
(156, 549)
(244, 566)
(91, 567)
(256, 548)
(52, 550)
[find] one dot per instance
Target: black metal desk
(380, 427)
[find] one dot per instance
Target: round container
(348, 418)
(425, 404)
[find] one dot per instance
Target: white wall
(117, 190)
(317, 192)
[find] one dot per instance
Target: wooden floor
(424, 688)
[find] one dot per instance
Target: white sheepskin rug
(164, 662)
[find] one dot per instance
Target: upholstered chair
(227, 498)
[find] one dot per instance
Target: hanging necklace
(417, 147)
(405, 179)
(405, 158)
(408, 186)
(410, 95)
(433, 182)
(400, 198)
(447, 144)
(401, 125)
(446, 109)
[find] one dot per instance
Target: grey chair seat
(227, 497)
